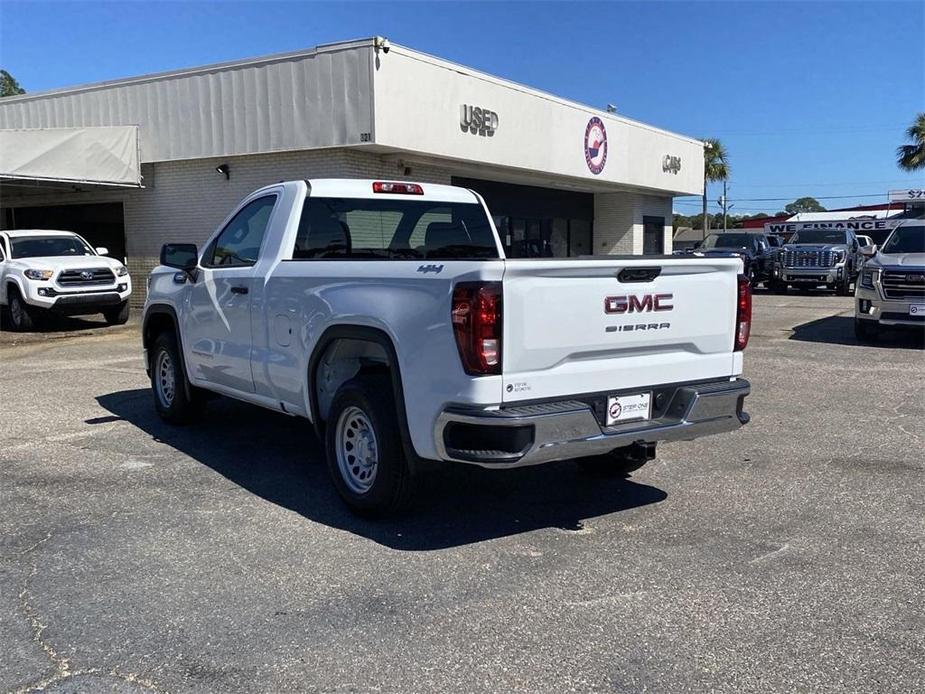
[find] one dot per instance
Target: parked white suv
(891, 288)
(44, 271)
(388, 315)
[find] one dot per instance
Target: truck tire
(117, 315)
(864, 331)
(175, 400)
(23, 317)
(619, 462)
(364, 450)
(843, 288)
(777, 287)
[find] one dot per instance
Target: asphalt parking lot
(788, 556)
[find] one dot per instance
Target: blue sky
(809, 98)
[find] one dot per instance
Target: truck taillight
(477, 322)
(397, 188)
(743, 314)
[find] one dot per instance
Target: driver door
(217, 319)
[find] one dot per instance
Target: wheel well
(342, 359)
(155, 325)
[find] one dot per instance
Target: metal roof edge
(463, 69)
(201, 69)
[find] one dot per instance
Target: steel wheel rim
(357, 450)
(165, 382)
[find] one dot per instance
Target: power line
(898, 181)
(817, 197)
(790, 131)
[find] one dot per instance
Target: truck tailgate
(571, 326)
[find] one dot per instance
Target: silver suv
(891, 288)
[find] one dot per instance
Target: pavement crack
(28, 549)
(62, 667)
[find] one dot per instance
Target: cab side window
(238, 245)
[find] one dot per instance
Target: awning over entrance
(105, 156)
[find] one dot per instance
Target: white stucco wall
(417, 102)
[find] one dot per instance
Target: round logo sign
(596, 145)
(615, 410)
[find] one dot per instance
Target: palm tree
(912, 157)
(715, 168)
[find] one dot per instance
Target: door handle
(239, 290)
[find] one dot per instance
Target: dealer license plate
(628, 408)
(917, 309)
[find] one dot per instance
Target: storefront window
(579, 237)
(558, 239)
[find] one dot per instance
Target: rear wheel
(363, 448)
(619, 462)
(22, 316)
(175, 399)
(117, 315)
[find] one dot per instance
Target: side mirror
(697, 244)
(101, 250)
(183, 256)
(869, 251)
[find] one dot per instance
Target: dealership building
(136, 162)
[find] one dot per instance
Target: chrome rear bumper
(541, 433)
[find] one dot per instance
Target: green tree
(715, 168)
(804, 205)
(912, 157)
(8, 85)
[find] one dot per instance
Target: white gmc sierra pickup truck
(388, 315)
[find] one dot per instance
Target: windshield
(44, 246)
(819, 236)
(906, 240)
(727, 241)
(393, 229)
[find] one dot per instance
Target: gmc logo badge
(638, 304)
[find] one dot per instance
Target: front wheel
(364, 450)
(865, 331)
(117, 315)
(22, 316)
(843, 288)
(175, 400)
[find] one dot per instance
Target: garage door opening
(102, 224)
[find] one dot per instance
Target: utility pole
(705, 224)
(725, 209)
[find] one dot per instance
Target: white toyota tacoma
(44, 271)
(388, 315)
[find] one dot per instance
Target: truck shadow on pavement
(839, 330)
(279, 459)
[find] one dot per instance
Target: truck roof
(18, 233)
(363, 188)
